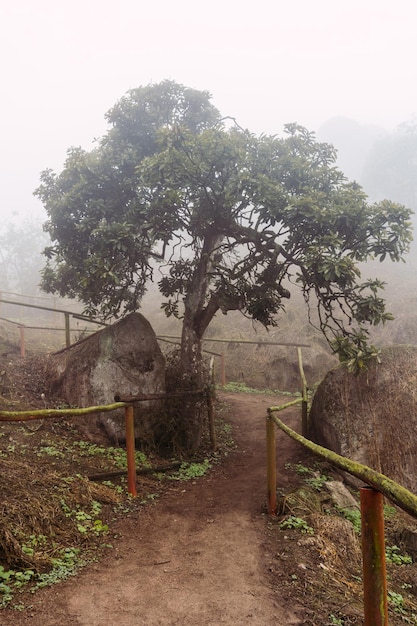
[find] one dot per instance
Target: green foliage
(353, 516)
(50, 451)
(73, 506)
(229, 217)
(33, 542)
(86, 522)
(317, 481)
(118, 456)
(396, 600)
(11, 581)
(313, 478)
(117, 488)
(354, 351)
(189, 471)
(235, 387)
(389, 511)
(393, 555)
(300, 469)
(296, 523)
(65, 564)
(400, 606)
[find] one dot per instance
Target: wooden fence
(120, 402)
(378, 485)
(372, 516)
(173, 339)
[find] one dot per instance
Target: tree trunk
(191, 372)
(199, 310)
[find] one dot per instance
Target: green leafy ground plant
(393, 555)
(60, 491)
(296, 523)
(189, 471)
(313, 477)
(353, 516)
(235, 387)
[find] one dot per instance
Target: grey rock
(372, 418)
(123, 359)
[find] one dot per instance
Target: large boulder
(276, 366)
(372, 418)
(124, 358)
(283, 371)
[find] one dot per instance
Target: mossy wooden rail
(395, 492)
(127, 403)
(372, 517)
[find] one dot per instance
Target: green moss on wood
(399, 495)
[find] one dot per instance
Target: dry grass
(38, 501)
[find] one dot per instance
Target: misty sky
(266, 63)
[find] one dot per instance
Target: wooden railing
(120, 402)
(372, 517)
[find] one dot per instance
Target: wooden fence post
(271, 465)
(223, 371)
(22, 342)
(67, 330)
(373, 554)
(130, 450)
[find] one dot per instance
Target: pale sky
(266, 63)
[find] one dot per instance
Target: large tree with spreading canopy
(222, 219)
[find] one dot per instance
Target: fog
(66, 63)
(344, 70)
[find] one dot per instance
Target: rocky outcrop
(372, 418)
(124, 358)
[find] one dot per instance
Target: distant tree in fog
(21, 259)
(353, 142)
(391, 167)
(234, 221)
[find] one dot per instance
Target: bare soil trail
(199, 556)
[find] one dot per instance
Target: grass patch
(243, 388)
(189, 471)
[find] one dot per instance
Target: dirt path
(198, 556)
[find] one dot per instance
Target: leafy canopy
(232, 221)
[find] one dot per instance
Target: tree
(231, 221)
(354, 142)
(391, 167)
(20, 258)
